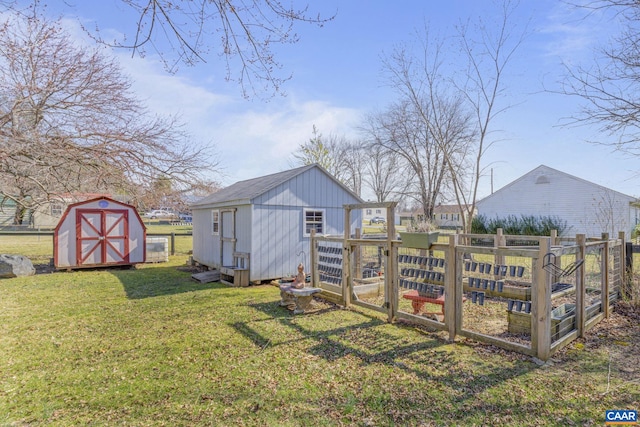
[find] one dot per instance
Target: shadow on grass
(159, 281)
(431, 359)
(362, 340)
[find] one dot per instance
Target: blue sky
(337, 80)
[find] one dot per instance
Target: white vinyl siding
(588, 208)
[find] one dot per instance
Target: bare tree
(606, 208)
(386, 175)
(609, 85)
(487, 57)
(243, 32)
(354, 164)
(400, 132)
(337, 154)
(441, 125)
(69, 123)
(428, 126)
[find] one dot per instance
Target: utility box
(157, 249)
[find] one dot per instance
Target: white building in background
(587, 208)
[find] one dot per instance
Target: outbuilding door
(228, 240)
(102, 236)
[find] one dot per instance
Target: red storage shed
(99, 232)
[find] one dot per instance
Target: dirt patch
(619, 336)
(191, 269)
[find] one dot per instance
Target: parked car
(159, 213)
(186, 217)
(377, 220)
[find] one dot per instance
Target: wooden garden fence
(528, 294)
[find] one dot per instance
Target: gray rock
(15, 266)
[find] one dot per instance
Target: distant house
(259, 229)
(8, 209)
(47, 214)
(587, 208)
(449, 216)
(444, 216)
(370, 213)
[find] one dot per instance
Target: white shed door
(228, 240)
(102, 236)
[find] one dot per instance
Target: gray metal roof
(245, 191)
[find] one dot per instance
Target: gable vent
(543, 179)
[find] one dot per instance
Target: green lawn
(40, 248)
(148, 346)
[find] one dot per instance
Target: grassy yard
(151, 347)
(40, 248)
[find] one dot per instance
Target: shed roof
(244, 191)
(97, 199)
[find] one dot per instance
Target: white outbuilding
(587, 208)
(259, 229)
(97, 233)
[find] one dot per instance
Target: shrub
(423, 226)
(525, 225)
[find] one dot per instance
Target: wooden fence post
(391, 267)
(605, 275)
(346, 262)
(581, 240)
(453, 288)
(541, 307)
(626, 269)
(500, 240)
(357, 255)
(313, 260)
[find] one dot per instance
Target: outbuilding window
(313, 220)
(56, 209)
(215, 222)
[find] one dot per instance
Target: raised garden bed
(519, 322)
(563, 320)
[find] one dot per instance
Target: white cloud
(253, 139)
(574, 32)
(261, 141)
(169, 94)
